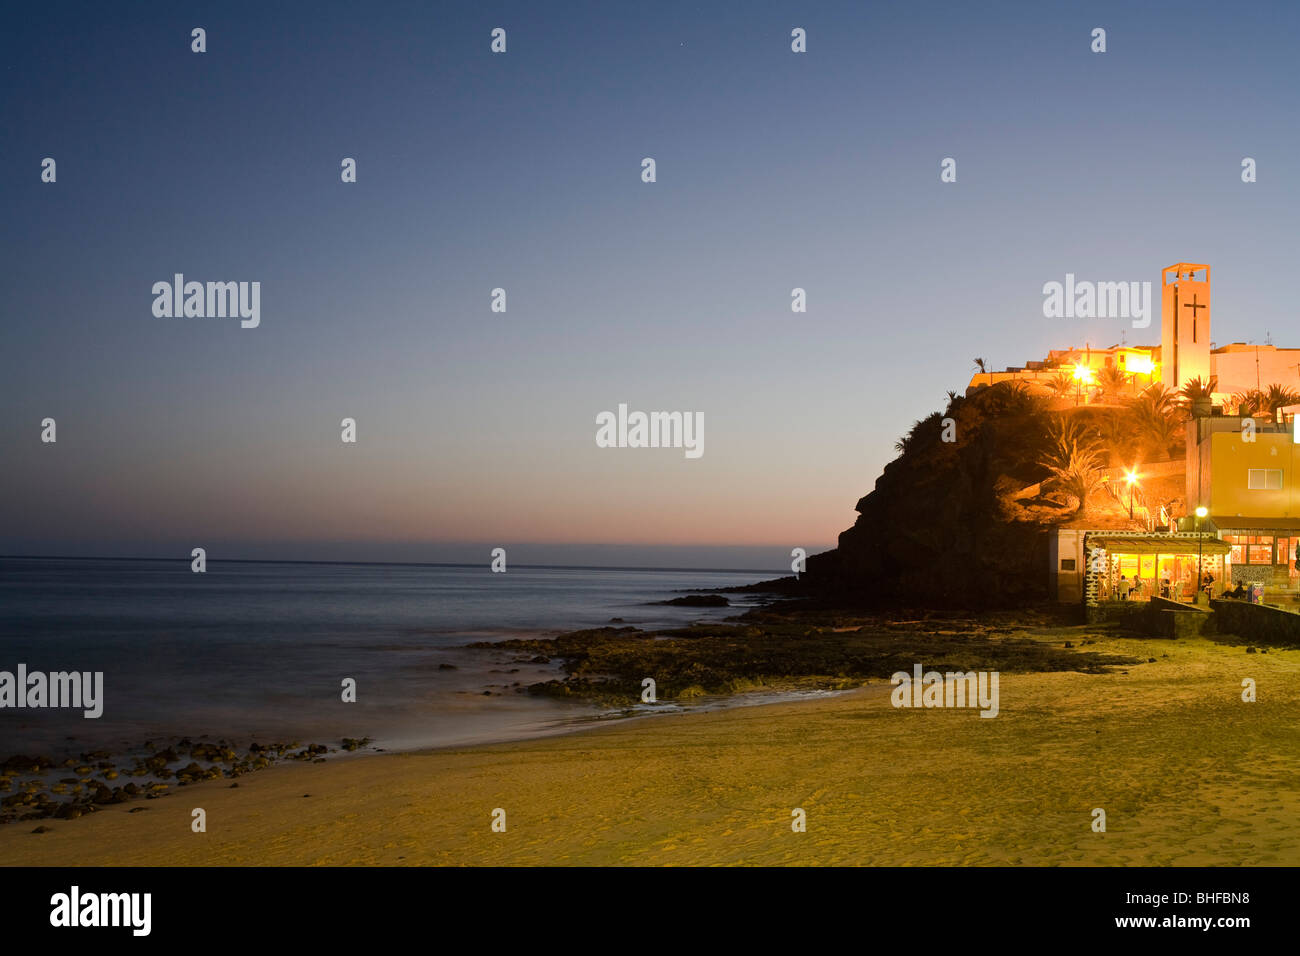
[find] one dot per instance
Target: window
(1253, 549)
(1264, 479)
(1067, 564)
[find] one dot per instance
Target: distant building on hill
(1185, 352)
(1242, 470)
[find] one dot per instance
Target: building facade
(1246, 473)
(1243, 471)
(1185, 352)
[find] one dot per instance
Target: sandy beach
(1187, 773)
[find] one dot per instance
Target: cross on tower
(1186, 352)
(1194, 305)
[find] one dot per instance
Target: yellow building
(1083, 366)
(1246, 474)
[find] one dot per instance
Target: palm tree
(1112, 381)
(1006, 399)
(1250, 402)
(1154, 417)
(1061, 384)
(983, 368)
(922, 428)
(1074, 461)
(1159, 399)
(1198, 394)
(1279, 396)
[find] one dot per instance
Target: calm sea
(258, 650)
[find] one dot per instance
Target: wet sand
(1187, 773)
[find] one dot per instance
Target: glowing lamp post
(1131, 478)
(1201, 512)
(1082, 374)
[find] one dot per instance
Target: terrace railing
(1119, 490)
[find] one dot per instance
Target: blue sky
(522, 171)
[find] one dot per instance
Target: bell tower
(1184, 324)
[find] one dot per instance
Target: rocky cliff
(953, 523)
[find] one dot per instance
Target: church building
(1186, 351)
(1241, 520)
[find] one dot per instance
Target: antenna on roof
(1268, 338)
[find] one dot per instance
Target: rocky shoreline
(797, 646)
(787, 645)
(35, 787)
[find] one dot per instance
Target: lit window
(1264, 479)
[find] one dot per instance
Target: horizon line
(414, 564)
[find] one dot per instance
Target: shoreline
(193, 665)
(1187, 773)
(238, 765)
(759, 657)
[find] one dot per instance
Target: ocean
(259, 650)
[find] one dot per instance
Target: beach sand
(1187, 773)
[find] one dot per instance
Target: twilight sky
(477, 429)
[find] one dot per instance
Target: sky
(523, 171)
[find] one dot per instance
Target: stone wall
(1265, 574)
(1257, 623)
(1156, 617)
(1174, 619)
(1128, 613)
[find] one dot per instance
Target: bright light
(1141, 364)
(1131, 477)
(1202, 511)
(1082, 373)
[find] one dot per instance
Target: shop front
(1263, 550)
(1140, 566)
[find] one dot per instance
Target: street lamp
(1201, 512)
(1130, 477)
(1082, 373)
